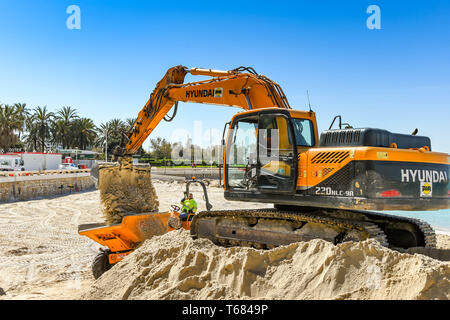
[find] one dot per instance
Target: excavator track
(424, 233)
(267, 228)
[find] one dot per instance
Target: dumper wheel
(100, 264)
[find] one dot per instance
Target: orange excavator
(321, 186)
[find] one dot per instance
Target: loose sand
(174, 266)
(43, 257)
(125, 189)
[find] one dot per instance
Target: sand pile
(125, 189)
(174, 266)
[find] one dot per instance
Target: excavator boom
(235, 88)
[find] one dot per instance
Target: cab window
(304, 132)
(242, 154)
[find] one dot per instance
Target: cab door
(277, 160)
(241, 154)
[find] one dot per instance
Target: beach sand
(43, 257)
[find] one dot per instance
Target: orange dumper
(121, 239)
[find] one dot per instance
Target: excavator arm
(241, 87)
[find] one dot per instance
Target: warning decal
(218, 92)
(426, 189)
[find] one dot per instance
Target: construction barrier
(38, 173)
(26, 185)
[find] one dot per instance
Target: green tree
(10, 123)
(84, 133)
(160, 148)
(22, 114)
(30, 139)
(43, 119)
(103, 132)
(129, 122)
(64, 131)
(112, 132)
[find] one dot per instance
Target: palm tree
(63, 130)
(117, 126)
(44, 121)
(59, 130)
(31, 137)
(22, 114)
(10, 123)
(67, 114)
(103, 131)
(111, 132)
(84, 132)
(129, 122)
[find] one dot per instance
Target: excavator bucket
(125, 189)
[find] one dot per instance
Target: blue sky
(396, 78)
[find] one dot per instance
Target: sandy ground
(43, 257)
(174, 266)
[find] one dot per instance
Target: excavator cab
(262, 150)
